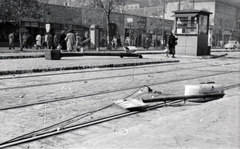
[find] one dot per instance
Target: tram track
(107, 92)
(122, 68)
(102, 70)
(16, 141)
(41, 134)
(101, 78)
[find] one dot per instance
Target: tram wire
(106, 92)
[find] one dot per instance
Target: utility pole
(179, 4)
(163, 23)
(193, 4)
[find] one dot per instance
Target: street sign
(129, 20)
(48, 27)
(22, 29)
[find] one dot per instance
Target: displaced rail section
(60, 128)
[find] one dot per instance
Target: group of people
(46, 41)
(69, 41)
(27, 40)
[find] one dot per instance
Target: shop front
(135, 29)
(5, 29)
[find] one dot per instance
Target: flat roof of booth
(191, 11)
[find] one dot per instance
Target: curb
(225, 51)
(22, 56)
(13, 72)
(43, 55)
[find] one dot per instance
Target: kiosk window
(203, 24)
(187, 25)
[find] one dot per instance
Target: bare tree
(16, 10)
(107, 6)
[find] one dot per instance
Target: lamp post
(163, 26)
(48, 26)
(130, 21)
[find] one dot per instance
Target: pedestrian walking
(38, 41)
(29, 41)
(44, 44)
(49, 40)
(146, 43)
(11, 40)
(114, 42)
(127, 41)
(63, 41)
(221, 43)
(119, 44)
(70, 39)
(171, 43)
(156, 43)
(24, 40)
(56, 42)
(79, 43)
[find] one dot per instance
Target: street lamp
(48, 26)
(130, 21)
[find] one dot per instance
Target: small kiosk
(191, 28)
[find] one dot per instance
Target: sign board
(129, 20)
(48, 27)
(34, 24)
(142, 22)
(22, 29)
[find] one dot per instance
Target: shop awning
(226, 33)
(185, 15)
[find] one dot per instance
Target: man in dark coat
(63, 41)
(171, 43)
(29, 41)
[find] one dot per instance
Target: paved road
(208, 125)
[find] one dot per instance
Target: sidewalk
(32, 60)
(17, 49)
(28, 62)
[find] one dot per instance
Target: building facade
(79, 20)
(224, 20)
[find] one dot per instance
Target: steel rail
(124, 68)
(99, 78)
(32, 136)
(86, 124)
(16, 72)
(105, 92)
(60, 124)
(77, 71)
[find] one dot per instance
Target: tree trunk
(20, 36)
(109, 47)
